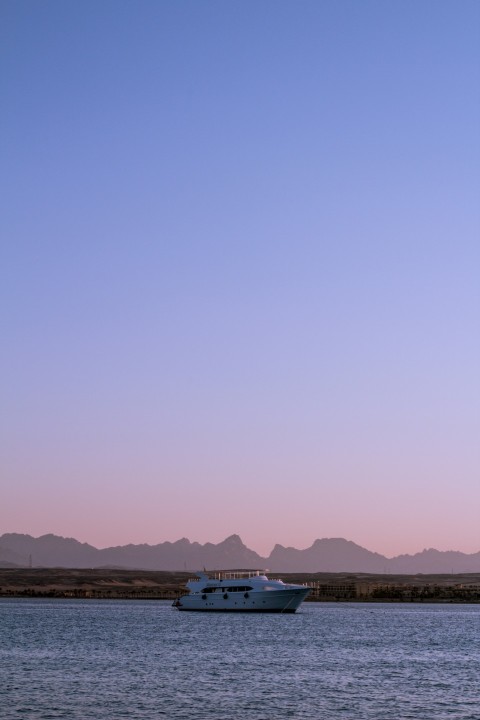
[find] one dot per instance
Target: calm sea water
(142, 660)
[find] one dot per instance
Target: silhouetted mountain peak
(324, 555)
(233, 541)
(332, 541)
(183, 542)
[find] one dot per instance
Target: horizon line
(237, 535)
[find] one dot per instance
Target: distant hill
(325, 555)
(434, 561)
(54, 551)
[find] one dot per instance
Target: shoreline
(120, 584)
(309, 600)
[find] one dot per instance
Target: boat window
(234, 589)
(239, 588)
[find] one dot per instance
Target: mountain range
(325, 555)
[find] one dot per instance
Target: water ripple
(141, 660)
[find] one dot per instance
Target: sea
(102, 659)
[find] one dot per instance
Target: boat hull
(283, 601)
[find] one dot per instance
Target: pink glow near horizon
(382, 519)
(239, 290)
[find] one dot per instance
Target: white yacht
(241, 591)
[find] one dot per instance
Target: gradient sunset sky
(240, 271)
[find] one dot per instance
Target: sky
(240, 271)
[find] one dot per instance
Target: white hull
(281, 601)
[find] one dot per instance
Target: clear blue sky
(240, 271)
